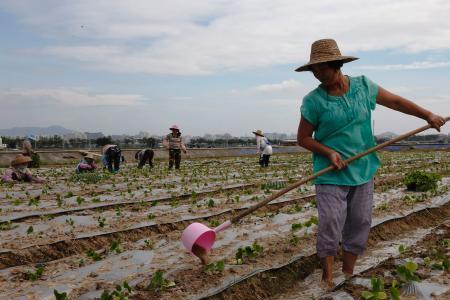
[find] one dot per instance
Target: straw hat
(89, 155)
(174, 127)
(20, 159)
(323, 51)
(258, 132)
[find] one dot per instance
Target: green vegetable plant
(60, 296)
(121, 292)
(214, 268)
(33, 276)
(101, 221)
(406, 272)
(115, 247)
(377, 292)
(158, 282)
(421, 181)
(248, 252)
(93, 255)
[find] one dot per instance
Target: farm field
(101, 233)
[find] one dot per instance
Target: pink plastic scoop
(199, 239)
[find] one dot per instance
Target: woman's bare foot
(327, 282)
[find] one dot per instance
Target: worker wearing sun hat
(87, 163)
(19, 172)
(263, 148)
(338, 113)
(174, 143)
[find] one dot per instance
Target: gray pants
(345, 215)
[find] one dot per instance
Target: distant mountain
(39, 131)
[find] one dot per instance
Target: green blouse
(343, 123)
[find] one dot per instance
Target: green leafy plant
(402, 248)
(421, 181)
(395, 293)
(296, 226)
(406, 272)
(150, 216)
(210, 203)
(377, 292)
(30, 230)
(121, 292)
(34, 201)
(148, 244)
(158, 282)
(70, 222)
(101, 221)
(8, 225)
(93, 255)
(80, 200)
(214, 268)
(248, 252)
(60, 296)
(33, 276)
(88, 177)
(115, 247)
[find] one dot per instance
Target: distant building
(2, 146)
(288, 142)
(94, 135)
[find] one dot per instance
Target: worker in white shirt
(263, 148)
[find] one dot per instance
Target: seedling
(34, 201)
(101, 221)
(17, 202)
(115, 247)
(60, 296)
(121, 292)
(8, 225)
(30, 230)
(214, 223)
(395, 293)
(406, 272)
(148, 244)
(70, 222)
(93, 255)
(33, 276)
(211, 203)
(377, 292)
(59, 201)
(69, 194)
(158, 282)
(215, 268)
(248, 252)
(402, 249)
(150, 216)
(118, 211)
(296, 226)
(80, 200)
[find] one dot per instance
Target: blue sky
(210, 66)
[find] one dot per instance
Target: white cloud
(411, 66)
(73, 97)
(203, 37)
(286, 85)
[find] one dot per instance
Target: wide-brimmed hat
(323, 51)
(32, 137)
(258, 132)
(20, 159)
(175, 127)
(89, 155)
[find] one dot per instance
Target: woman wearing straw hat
(19, 172)
(338, 112)
(174, 143)
(87, 163)
(263, 148)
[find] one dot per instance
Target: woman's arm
(305, 139)
(403, 105)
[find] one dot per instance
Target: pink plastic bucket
(202, 235)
